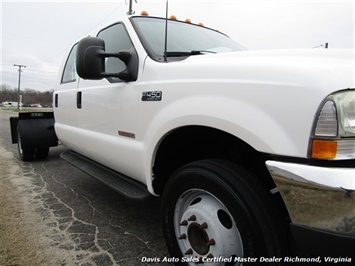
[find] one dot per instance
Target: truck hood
(330, 67)
(268, 99)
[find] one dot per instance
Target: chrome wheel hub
(205, 229)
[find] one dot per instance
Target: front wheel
(214, 213)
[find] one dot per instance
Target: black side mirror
(90, 64)
(90, 60)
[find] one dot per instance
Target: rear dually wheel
(25, 154)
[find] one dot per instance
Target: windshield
(184, 39)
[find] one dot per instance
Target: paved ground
(72, 219)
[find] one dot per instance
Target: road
(78, 220)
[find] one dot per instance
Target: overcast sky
(39, 34)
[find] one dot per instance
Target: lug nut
(211, 242)
(204, 225)
(184, 223)
(189, 251)
(183, 236)
(192, 218)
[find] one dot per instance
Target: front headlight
(346, 102)
(334, 131)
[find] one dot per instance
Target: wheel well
(192, 143)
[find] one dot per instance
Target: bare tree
(29, 96)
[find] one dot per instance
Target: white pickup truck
(252, 152)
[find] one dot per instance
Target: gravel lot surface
(53, 214)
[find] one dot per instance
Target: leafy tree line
(29, 96)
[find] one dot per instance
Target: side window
(69, 73)
(116, 39)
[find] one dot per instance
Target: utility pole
(19, 84)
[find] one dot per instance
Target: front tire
(213, 209)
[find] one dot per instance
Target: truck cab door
(108, 106)
(64, 101)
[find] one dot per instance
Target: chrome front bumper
(318, 197)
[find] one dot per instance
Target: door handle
(78, 99)
(56, 104)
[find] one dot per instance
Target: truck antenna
(130, 10)
(166, 31)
